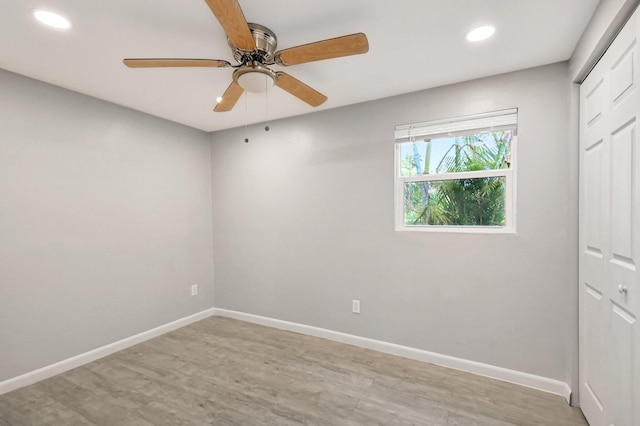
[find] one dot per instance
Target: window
(457, 175)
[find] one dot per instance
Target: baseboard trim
(512, 376)
(92, 355)
(517, 377)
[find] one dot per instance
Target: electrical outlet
(194, 290)
(355, 306)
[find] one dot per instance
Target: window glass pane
(480, 151)
(458, 202)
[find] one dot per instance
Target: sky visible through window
(440, 149)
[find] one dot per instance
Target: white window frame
(492, 121)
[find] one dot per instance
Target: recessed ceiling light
(219, 99)
(52, 19)
(480, 33)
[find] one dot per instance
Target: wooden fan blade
(233, 22)
(230, 97)
(161, 63)
(299, 89)
(353, 44)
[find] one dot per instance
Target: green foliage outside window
(477, 201)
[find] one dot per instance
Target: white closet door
(610, 235)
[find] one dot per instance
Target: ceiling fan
(254, 48)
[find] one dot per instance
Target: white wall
(105, 222)
(303, 223)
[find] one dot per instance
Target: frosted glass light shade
(255, 82)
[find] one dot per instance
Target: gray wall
(106, 215)
(105, 222)
(303, 223)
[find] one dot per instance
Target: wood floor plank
(472, 419)
(221, 371)
(33, 406)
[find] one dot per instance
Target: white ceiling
(414, 45)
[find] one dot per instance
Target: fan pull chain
(266, 104)
(246, 119)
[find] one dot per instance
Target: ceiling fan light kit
(254, 78)
(254, 49)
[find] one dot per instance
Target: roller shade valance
(493, 121)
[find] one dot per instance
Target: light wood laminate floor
(226, 372)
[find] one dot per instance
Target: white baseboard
(87, 357)
(512, 376)
(524, 379)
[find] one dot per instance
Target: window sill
(459, 229)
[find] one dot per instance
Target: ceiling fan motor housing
(266, 44)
